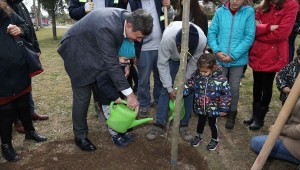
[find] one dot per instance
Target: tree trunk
(35, 16)
(53, 25)
(39, 14)
(180, 85)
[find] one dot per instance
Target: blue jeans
(163, 102)
(278, 151)
(31, 103)
(234, 76)
(147, 63)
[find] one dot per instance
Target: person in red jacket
(269, 53)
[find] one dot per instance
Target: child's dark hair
(207, 61)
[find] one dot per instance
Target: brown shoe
(19, 127)
(36, 116)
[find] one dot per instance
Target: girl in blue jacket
(230, 36)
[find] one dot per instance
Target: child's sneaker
(119, 141)
(196, 141)
(128, 137)
(213, 144)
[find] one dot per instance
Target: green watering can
(172, 108)
(122, 118)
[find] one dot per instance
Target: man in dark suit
(90, 49)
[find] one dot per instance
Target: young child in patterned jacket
(212, 97)
(287, 76)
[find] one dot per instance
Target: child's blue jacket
(232, 34)
(212, 93)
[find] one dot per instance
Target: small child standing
(287, 76)
(108, 92)
(212, 97)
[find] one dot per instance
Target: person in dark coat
(15, 83)
(79, 8)
(20, 9)
(90, 49)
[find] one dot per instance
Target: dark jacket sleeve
(76, 9)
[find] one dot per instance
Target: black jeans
(212, 122)
(263, 87)
(8, 114)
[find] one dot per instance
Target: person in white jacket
(168, 64)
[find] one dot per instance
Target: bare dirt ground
(233, 153)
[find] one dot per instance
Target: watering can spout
(139, 121)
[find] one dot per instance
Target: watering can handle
(136, 109)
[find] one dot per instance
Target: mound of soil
(141, 154)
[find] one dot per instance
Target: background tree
(54, 7)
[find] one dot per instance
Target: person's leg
(257, 86)
(235, 74)
(188, 106)
(34, 115)
(7, 116)
(163, 104)
(292, 39)
(144, 71)
(278, 151)
(212, 122)
(267, 88)
(81, 101)
(200, 128)
(234, 79)
(214, 142)
(23, 110)
(31, 103)
(157, 83)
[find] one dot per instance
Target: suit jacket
(90, 48)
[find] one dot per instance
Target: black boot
(33, 135)
(230, 120)
(255, 108)
(259, 120)
(9, 153)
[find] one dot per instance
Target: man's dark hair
(141, 20)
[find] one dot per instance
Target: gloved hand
(88, 7)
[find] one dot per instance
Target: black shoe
(128, 137)
(119, 141)
(33, 135)
(249, 120)
(9, 153)
(256, 125)
(85, 144)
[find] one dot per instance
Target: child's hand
(222, 114)
(286, 90)
(119, 100)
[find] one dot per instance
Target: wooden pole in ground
(180, 85)
(166, 16)
(278, 125)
